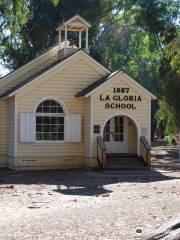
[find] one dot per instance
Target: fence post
(179, 145)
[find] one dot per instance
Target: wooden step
(121, 155)
(124, 162)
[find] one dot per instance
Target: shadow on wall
(82, 183)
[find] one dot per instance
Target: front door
(115, 135)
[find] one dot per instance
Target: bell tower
(74, 24)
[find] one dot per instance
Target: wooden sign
(96, 129)
(121, 98)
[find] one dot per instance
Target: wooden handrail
(101, 151)
(101, 143)
(145, 150)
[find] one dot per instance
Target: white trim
(50, 98)
(114, 77)
(15, 127)
(48, 142)
(65, 40)
(80, 18)
(75, 24)
(58, 65)
(9, 75)
(149, 117)
(132, 118)
(80, 40)
(91, 128)
(87, 42)
(60, 37)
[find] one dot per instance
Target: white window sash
(49, 115)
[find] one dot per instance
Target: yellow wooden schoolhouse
(66, 110)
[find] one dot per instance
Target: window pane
(54, 128)
(39, 128)
(54, 136)
(38, 136)
(61, 128)
(106, 135)
(121, 120)
(47, 136)
(60, 136)
(38, 120)
(59, 109)
(60, 120)
(40, 109)
(46, 120)
(52, 109)
(118, 137)
(121, 129)
(121, 137)
(53, 120)
(53, 103)
(46, 109)
(46, 103)
(47, 128)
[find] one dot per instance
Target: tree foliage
(139, 36)
(33, 30)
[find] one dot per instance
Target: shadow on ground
(91, 183)
(83, 183)
(165, 157)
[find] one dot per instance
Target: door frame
(117, 146)
(132, 118)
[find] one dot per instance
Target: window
(106, 134)
(50, 121)
(118, 129)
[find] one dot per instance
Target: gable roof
(28, 70)
(77, 19)
(12, 87)
(88, 91)
(13, 82)
(30, 78)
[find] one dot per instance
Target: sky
(3, 71)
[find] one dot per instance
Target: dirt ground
(91, 205)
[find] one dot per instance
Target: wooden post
(149, 158)
(80, 39)
(104, 157)
(65, 36)
(59, 38)
(87, 38)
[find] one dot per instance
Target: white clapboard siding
(73, 128)
(26, 127)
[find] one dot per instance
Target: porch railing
(101, 152)
(145, 151)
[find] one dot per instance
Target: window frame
(49, 115)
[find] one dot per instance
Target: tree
(33, 30)
(159, 18)
(170, 82)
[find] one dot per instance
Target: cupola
(74, 24)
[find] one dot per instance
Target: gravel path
(87, 204)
